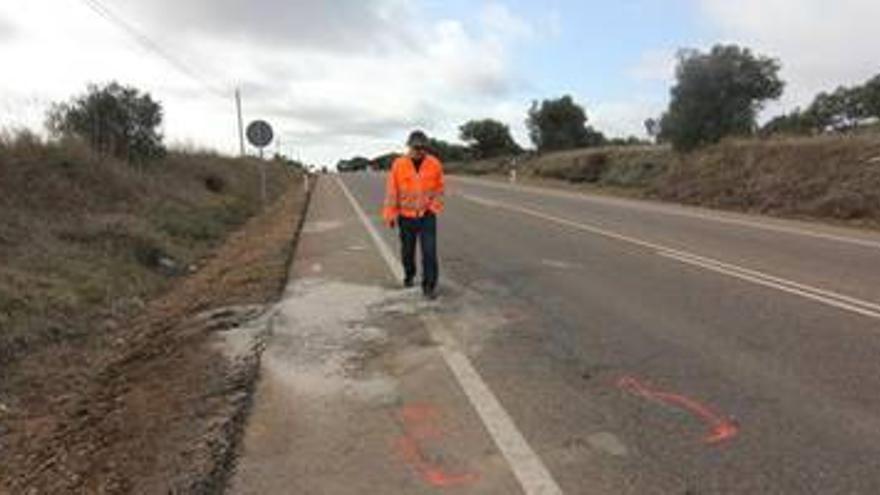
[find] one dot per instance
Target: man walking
(413, 199)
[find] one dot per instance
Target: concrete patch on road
(608, 443)
(602, 442)
(350, 373)
(319, 226)
(321, 337)
(326, 331)
(559, 265)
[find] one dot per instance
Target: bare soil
(149, 404)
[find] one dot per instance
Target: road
(618, 346)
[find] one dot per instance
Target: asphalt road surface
(647, 348)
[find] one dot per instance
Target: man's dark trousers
(424, 232)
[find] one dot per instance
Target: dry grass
(85, 240)
(630, 166)
(151, 406)
(833, 177)
(110, 383)
(830, 177)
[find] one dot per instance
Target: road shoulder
(354, 396)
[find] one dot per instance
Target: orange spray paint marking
(721, 428)
(420, 428)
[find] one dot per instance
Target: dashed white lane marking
(530, 471)
(681, 211)
(830, 298)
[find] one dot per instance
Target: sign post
(259, 134)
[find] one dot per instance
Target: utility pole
(240, 122)
(262, 180)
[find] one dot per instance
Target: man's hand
(392, 224)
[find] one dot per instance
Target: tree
(289, 162)
(845, 108)
(718, 94)
(870, 97)
(825, 111)
(114, 120)
(652, 128)
(841, 110)
(593, 138)
(796, 122)
(355, 164)
(449, 152)
(627, 141)
(561, 124)
(488, 138)
(384, 162)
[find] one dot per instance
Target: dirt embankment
(115, 286)
(830, 177)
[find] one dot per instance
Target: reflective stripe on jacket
(412, 194)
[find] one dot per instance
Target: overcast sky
(344, 77)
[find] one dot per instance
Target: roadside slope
(151, 400)
(85, 240)
(831, 178)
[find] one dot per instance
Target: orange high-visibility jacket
(413, 194)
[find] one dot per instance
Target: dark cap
(417, 139)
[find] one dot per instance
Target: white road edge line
(530, 471)
(681, 211)
(830, 298)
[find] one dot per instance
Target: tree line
(842, 110)
(553, 125)
(119, 121)
(114, 120)
(718, 93)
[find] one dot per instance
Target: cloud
(376, 98)
(338, 25)
(7, 29)
(498, 19)
(657, 65)
(821, 44)
(330, 119)
(332, 76)
(625, 118)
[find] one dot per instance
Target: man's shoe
(408, 283)
(430, 293)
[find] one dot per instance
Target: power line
(147, 43)
(150, 45)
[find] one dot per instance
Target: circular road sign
(259, 133)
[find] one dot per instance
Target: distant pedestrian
(413, 199)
